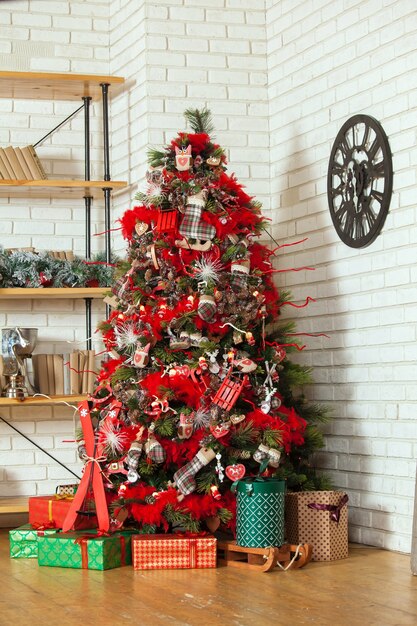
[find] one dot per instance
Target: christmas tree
(198, 391)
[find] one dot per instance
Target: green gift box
(259, 512)
(82, 550)
(24, 541)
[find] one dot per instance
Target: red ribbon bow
(92, 476)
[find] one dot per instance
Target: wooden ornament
(141, 228)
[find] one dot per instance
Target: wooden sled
(288, 556)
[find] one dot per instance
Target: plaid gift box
(173, 551)
(66, 490)
(85, 551)
(47, 510)
(319, 518)
(24, 541)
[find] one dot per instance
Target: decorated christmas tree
(198, 389)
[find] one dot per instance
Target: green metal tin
(260, 512)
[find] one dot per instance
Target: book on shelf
(74, 373)
(14, 163)
(27, 249)
(81, 364)
(58, 371)
(23, 163)
(58, 374)
(40, 373)
(5, 168)
(2, 379)
(32, 161)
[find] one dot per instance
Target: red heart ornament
(235, 472)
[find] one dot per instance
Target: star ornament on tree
(207, 270)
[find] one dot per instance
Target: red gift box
(173, 551)
(52, 510)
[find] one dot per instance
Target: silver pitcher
(17, 345)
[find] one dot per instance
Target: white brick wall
(49, 36)
(182, 54)
(280, 78)
(327, 61)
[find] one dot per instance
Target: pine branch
(149, 200)
(205, 479)
(181, 518)
(166, 427)
(123, 373)
(272, 438)
(156, 157)
(145, 468)
(224, 515)
(244, 436)
(200, 120)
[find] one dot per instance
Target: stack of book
(2, 379)
(20, 164)
(66, 255)
(58, 374)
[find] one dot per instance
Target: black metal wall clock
(359, 181)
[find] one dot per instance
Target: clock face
(359, 181)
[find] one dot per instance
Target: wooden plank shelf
(15, 504)
(40, 400)
(58, 188)
(53, 293)
(53, 86)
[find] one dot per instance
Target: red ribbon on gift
(192, 544)
(41, 527)
(333, 508)
(83, 543)
(190, 535)
(92, 476)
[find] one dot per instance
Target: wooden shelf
(54, 293)
(66, 188)
(52, 86)
(14, 504)
(39, 400)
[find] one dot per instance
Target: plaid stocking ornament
(155, 451)
(240, 272)
(184, 477)
(206, 308)
(192, 226)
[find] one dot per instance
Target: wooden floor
(371, 587)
